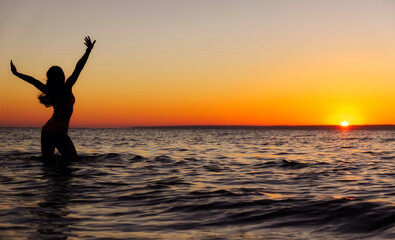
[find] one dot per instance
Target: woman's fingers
(88, 42)
(13, 68)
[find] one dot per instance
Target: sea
(201, 183)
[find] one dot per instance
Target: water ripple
(207, 183)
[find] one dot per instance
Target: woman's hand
(89, 44)
(39, 85)
(13, 68)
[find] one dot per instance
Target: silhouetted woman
(57, 93)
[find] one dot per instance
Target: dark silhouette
(57, 93)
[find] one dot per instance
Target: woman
(57, 93)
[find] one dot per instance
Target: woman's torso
(63, 109)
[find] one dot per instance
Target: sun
(344, 124)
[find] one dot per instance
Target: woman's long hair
(55, 85)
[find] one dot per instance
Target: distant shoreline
(267, 127)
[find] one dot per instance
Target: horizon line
(331, 126)
(356, 126)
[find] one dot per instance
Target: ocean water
(198, 183)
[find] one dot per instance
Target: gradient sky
(225, 62)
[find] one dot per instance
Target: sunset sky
(222, 62)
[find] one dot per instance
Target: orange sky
(204, 62)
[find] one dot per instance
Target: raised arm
(39, 85)
(81, 63)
